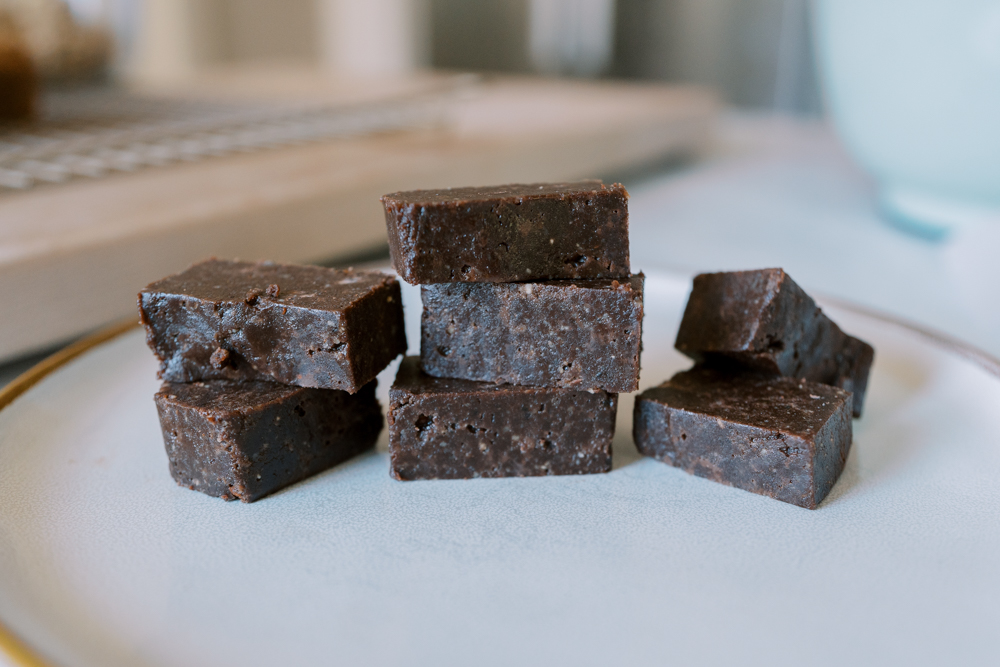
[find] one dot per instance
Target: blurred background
(757, 53)
(853, 143)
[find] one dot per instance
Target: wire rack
(97, 133)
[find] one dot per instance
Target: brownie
(249, 439)
(763, 320)
(582, 334)
(445, 428)
(782, 437)
(303, 325)
(508, 233)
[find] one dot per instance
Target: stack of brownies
(768, 406)
(269, 370)
(531, 327)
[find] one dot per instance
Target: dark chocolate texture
(508, 233)
(303, 325)
(763, 320)
(443, 428)
(580, 334)
(781, 437)
(249, 439)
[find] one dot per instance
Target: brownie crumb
(272, 291)
(219, 358)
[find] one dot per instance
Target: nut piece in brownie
(506, 233)
(303, 325)
(443, 428)
(249, 439)
(781, 437)
(762, 320)
(583, 334)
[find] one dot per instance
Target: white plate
(105, 561)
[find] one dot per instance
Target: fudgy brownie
(763, 320)
(550, 231)
(443, 428)
(303, 325)
(248, 439)
(781, 437)
(582, 334)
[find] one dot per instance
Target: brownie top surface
(412, 381)
(297, 285)
(779, 403)
(225, 395)
(724, 308)
(634, 283)
(744, 291)
(512, 191)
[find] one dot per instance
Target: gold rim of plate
(10, 645)
(25, 656)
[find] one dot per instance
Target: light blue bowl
(913, 87)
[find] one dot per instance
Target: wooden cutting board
(74, 254)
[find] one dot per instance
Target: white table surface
(782, 192)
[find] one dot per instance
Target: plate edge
(17, 651)
(11, 645)
(33, 375)
(967, 351)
